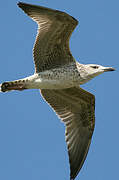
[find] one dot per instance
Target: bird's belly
(54, 84)
(56, 79)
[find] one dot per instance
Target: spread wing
(51, 48)
(75, 107)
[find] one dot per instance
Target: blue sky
(32, 144)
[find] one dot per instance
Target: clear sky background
(32, 143)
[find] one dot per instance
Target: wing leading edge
(76, 108)
(51, 48)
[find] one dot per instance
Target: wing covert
(75, 107)
(51, 47)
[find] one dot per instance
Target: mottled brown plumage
(59, 77)
(76, 108)
(52, 42)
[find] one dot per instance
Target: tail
(13, 85)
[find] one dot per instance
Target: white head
(89, 71)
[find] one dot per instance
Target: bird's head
(90, 71)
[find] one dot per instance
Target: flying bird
(59, 76)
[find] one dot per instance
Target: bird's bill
(109, 69)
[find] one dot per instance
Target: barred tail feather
(13, 85)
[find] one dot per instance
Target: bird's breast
(58, 78)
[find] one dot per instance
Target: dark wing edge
(51, 47)
(76, 108)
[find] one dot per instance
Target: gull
(59, 76)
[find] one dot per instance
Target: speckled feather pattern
(59, 76)
(55, 70)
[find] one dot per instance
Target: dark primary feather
(51, 47)
(75, 107)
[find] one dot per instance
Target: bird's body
(59, 77)
(56, 78)
(63, 77)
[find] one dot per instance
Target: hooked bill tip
(109, 69)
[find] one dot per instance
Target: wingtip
(20, 4)
(0, 88)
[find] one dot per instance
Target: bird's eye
(95, 67)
